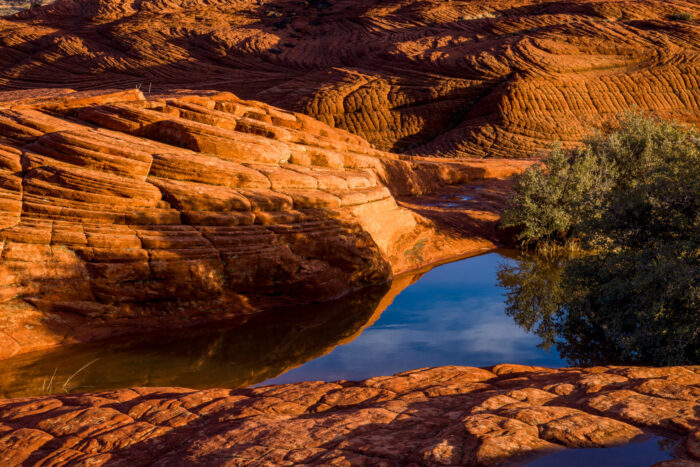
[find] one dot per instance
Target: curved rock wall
(483, 78)
(123, 212)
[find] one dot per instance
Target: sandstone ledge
(434, 416)
(120, 212)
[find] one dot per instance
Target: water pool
(452, 314)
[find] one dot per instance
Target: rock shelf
(484, 78)
(433, 416)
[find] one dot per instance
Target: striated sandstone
(483, 78)
(433, 416)
(121, 213)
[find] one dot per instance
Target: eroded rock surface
(119, 212)
(485, 78)
(437, 416)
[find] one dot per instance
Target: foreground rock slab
(434, 416)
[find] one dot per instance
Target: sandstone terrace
(440, 416)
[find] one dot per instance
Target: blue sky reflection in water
(643, 452)
(453, 315)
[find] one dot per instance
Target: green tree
(633, 293)
(583, 192)
(548, 201)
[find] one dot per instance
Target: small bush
(547, 201)
(681, 16)
(618, 185)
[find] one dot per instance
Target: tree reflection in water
(534, 293)
(613, 308)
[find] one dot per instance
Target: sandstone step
(189, 196)
(96, 151)
(194, 167)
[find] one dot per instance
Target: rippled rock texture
(485, 78)
(121, 212)
(438, 416)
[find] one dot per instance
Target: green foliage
(633, 294)
(681, 16)
(547, 202)
(654, 189)
(612, 184)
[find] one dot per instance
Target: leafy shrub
(681, 16)
(610, 187)
(548, 201)
(632, 294)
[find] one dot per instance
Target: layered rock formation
(438, 416)
(120, 212)
(429, 77)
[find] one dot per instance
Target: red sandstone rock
(480, 78)
(119, 213)
(434, 416)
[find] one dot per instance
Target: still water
(452, 314)
(646, 451)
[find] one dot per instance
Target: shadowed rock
(434, 416)
(233, 354)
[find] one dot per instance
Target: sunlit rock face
(120, 212)
(487, 78)
(436, 416)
